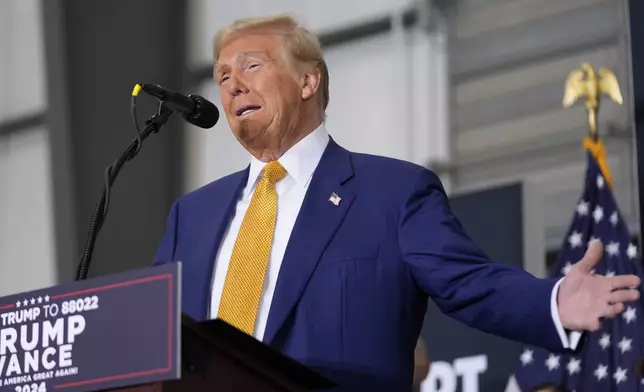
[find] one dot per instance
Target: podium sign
(94, 334)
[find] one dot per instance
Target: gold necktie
(245, 276)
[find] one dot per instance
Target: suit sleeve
(463, 282)
(165, 250)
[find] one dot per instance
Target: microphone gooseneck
(194, 109)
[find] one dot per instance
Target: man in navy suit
(330, 256)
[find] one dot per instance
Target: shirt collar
(299, 161)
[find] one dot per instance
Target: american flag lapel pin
(335, 199)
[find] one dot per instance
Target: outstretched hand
(584, 299)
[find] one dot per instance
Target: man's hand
(584, 299)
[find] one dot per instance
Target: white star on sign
(575, 239)
(629, 315)
(604, 341)
(598, 214)
(631, 252)
(625, 344)
(601, 372)
(552, 362)
(18, 304)
(614, 218)
(582, 208)
(33, 301)
(46, 298)
(573, 366)
(566, 268)
(620, 375)
(39, 300)
(613, 248)
(526, 357)
(592, 238)
(25, 303)
(600, 182)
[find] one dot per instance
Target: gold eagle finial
(584, 82)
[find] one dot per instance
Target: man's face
(259, 91)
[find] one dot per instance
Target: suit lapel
(211, 236)
(316, 224)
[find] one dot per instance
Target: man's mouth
(246, 109)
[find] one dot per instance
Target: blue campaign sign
(96, 334)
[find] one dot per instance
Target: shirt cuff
(568, 341)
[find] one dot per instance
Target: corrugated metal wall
(509, 61)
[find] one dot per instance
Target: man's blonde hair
(300, 43)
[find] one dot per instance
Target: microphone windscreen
(206, 115)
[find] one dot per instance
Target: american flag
(609, 358)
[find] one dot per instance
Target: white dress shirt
(300, 162)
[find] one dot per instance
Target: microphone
(195, 109)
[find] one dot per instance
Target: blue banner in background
(100, 333)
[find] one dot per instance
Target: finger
(592, 256)
(620, 296)
(613, 310)
(594, 325)
(624, 282)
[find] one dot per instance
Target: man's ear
(311, 80)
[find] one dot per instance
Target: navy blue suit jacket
(355, 280)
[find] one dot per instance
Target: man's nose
(235, 86)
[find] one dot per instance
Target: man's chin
(250, 133)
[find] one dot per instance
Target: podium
(126, 332)
(218, 357)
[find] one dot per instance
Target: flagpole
(636, 36)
